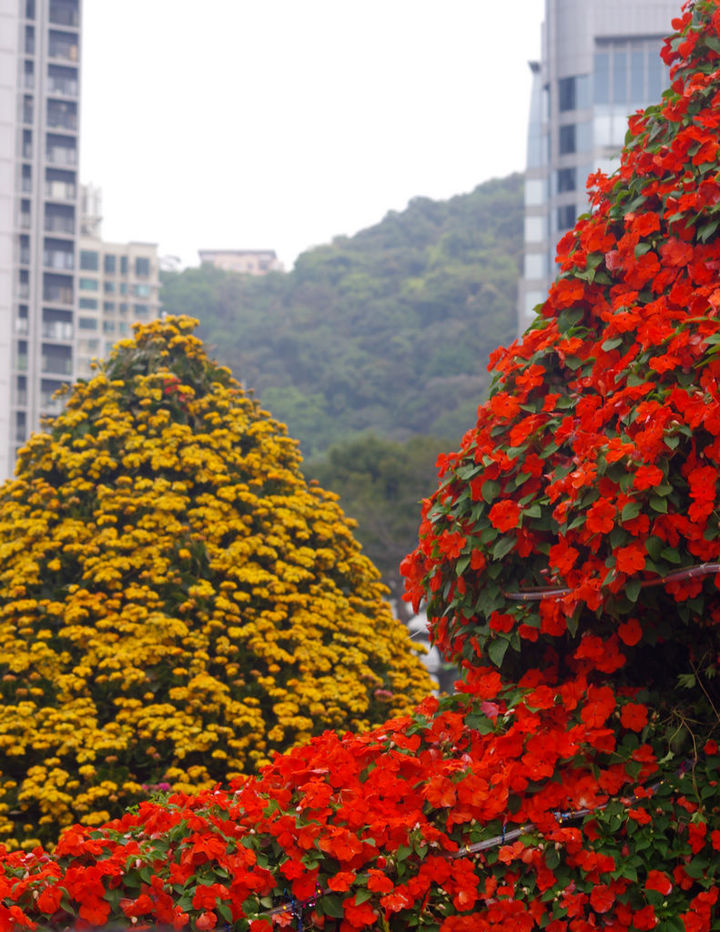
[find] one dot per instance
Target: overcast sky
(280, 124)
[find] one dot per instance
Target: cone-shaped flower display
(568, 560)
(175, 602)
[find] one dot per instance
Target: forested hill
(386, 331)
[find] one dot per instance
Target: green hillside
(387, 331)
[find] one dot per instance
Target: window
(140, 311)
(567, 95)
(108, 306)
(566, 216)
(123, 265)
(567, 140)
(142, 267)
(88, 284)
(142, 291)
(109, 287)
(87, 323)
(108, 326)
(89, 260)
(109, 264)
(88, 304)
(566, 179)
(123, 288)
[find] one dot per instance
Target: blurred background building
(245, 261)
(118, 285)
(39, 103)
(600, 61)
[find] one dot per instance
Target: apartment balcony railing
(63, 121)
(60, 191)
(55, 224)
(24, 221)
(28, 81)
(21, 362)
(57, 295)
(23, 291)
(57, 330)
(22, 327)
(27, 114)
(65, 86)
(64, 16)
(63, 51)
(62, 155)
(27, 150)
(57, 365)
(58, 259)
(24, 256)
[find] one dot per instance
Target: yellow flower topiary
(176, 602)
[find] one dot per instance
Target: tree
(381, 484)
(176, 603)
(568, 560)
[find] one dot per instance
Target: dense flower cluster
(373, 832)
(176, 602)
(571, 784)
(593, 466)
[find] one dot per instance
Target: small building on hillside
(243, 261)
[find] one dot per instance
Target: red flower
(341, 881)
(630, 559)
(634, 716)
(601, 898)
(658, 880)
(601, 517)
(505, 515)
(630, 632)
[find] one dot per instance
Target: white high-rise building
(39, 109)
(600, 62)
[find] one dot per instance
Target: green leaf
(633, 588)
(630, 511)
(331, 905)
(490, 490)
(658, 504)
(497, 648)
(612, 343)
(503, 547)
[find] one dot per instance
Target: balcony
(65, 122)
(61, 155)
(24, 255)
(62, 49)
(65, 86)
(64, 14)
(24, 221)
(55, 223)
(58, 294)
(61, 191)
(57, 330)
(56, 365)
(58, 259)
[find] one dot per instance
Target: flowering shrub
(568, 560)
(175, 602)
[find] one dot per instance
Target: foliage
(176, 603)
(381, 483)
(383, 332)
(572, 784)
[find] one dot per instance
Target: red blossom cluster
(389, 830)
(571, 784)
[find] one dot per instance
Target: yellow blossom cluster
(176, 601)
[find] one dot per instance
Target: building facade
(118, 285)
(600, 62)
(244, 261)
(39, 111)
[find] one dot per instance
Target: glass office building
(600, 61)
